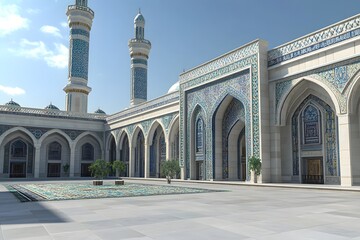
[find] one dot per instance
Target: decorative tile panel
(139, 61)
(139, 83)
(330, 141)
(210, 96)
(76, 31)
(79, 51)
(334, 34)
(336, 76)
(220, 62)
(242, 58)
(37, 132)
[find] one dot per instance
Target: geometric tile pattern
(209, 97)
(79, 58)
(139, 83)
(336, 76)
(71, 191)
(220, 68)
(344, 30)
(331, 144)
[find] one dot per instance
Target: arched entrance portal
(157, 152)
(124, 153)
(140, 155)
(230, 151)
(314, 142)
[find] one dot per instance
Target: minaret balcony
(77, 7)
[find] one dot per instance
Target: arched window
(162, 147)
(199, 135)
(18, 149)
(54, 151)
(87, 152)
(81, 3)
(311, 125)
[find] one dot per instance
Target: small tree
(119, 167)
(170, 168)
(255, 166)
(99, 169)
(66, 168)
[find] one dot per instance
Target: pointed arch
(300, 90)
(173, 138)
(154, 126)
(353, 95)
(20, 129)
(96, 137)
(55, 131)
(229, 119)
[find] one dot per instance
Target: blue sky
(34, 41)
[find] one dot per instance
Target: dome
(52, 107)
(175, 87)
(99, 111)
(12, 104)
(139, 18)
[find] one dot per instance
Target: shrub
(170, 168)
(99, 169)
(255, 165)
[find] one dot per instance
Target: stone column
(72, 161)
(344, 149)
(37, 160)
(131, 161)
(275, 154)
(168, 150)
(147, 161)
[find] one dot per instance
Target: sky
(34, 41)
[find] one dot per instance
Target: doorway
(312, 171)
(18, 170)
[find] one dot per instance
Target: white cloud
(51, 30)
(10, 19)
(60, 58)
(57, 58)
(12, 90)
(64, 24)
(33, 11)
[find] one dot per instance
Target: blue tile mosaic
(334, 34)
(76, 31)
(139, 83)
(330, 141)
(79, 51)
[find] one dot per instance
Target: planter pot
(253, 177)
(168, 179)
(119, 182)
(97, 182)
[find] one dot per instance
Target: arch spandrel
(297, 89)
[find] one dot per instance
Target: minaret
(80, 18)
(139, 52)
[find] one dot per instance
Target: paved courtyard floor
(243, 212)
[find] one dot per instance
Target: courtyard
(229, 212)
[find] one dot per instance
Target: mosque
(296, 107)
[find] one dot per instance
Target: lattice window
(162, 147)
(18, 149)
(54, 151)
(311, 125)
(87, 151)
(199, 135)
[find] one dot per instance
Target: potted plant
(170, 169)
(119, 167)
(66, 168)
(254, 167)
(99, 169)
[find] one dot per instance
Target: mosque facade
(296, 107)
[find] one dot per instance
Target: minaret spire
(139, 52)
(80, 18)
